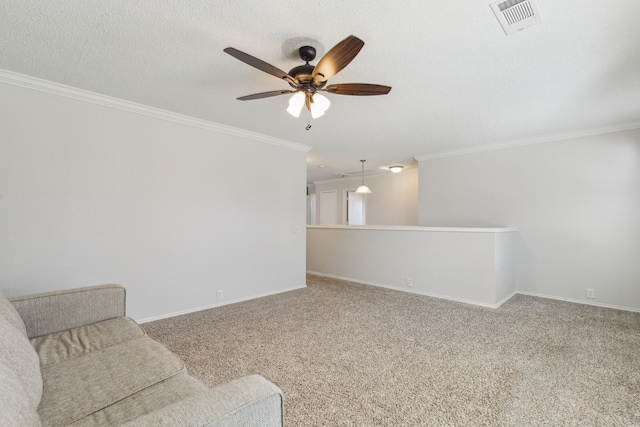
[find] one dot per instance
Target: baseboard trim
(505, 299)
(482, 304)
(579, 301)
(219, 304)
(395, 288)
(414, 291)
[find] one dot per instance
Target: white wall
(394, 200)
(91, 194)
(576, 204)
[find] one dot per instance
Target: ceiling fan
(308, 80)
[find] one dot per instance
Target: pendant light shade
(363, 189)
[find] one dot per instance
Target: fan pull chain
(308, 126)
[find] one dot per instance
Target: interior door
(328, 207)
(356, 214)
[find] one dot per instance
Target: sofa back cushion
(9, 315)
(20, 378)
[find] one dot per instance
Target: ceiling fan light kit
(307, 80)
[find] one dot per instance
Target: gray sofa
(73, 358)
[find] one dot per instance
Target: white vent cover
(515, 15)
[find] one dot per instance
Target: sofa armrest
(56, 311)
(247, 401)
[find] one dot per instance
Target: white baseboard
(482, 304)
(395, 288)
(220, 304)
(414, 291)
(505, 299)
(581, 301)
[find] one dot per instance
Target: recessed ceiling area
(458, 80)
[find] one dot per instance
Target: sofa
(72, 358)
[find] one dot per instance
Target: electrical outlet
(408, 281)
(219, 294)
(591, 293)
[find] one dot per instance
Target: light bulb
(296, 103)
(319, 104)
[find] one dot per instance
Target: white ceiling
(458, 81)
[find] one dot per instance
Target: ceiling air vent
(516, 15)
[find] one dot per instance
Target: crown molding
(34, 83)
(534, 140)
(376, 174)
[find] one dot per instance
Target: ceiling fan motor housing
(307, 53)
(302, 73)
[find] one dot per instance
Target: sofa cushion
(20, 380)
(246, 401)
(167, 392)
(58, 347)
(50, 312)
(79, 386)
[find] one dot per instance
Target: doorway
(356, 212)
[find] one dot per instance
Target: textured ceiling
(458, 81)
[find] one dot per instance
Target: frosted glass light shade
(296, 103)
(319, 104)
(396, 169)
(363, 189)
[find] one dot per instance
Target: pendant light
(363, 189)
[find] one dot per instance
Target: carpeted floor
(347, 354)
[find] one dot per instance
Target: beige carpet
(347, 354)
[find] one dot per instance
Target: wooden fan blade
(265, 94)
(336, 59)
(258, 63)
(358, 89)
